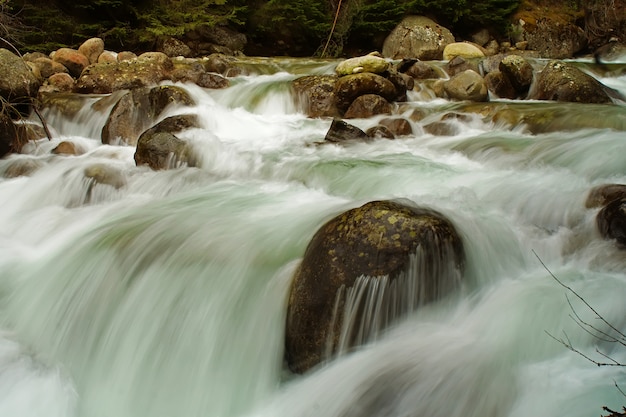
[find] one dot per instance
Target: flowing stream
(164, 293)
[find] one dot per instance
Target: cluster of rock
(37, 78)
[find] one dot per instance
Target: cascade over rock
(561, 81)
(603, 194)
(138, 109)
(314, 95)
(381, 242)
(159, 148)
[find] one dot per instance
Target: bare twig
(604, 336)
(332, 29)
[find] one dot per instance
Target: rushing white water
(165, 294)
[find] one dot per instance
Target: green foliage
(299, 22)
(297, 27)
(178, 17)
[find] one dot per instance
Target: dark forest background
(272, 27)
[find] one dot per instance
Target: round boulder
(367, 105)
(74, 61)
(17, 81)
(407, 255)
(92, 48)
(468, 85)
(417, 37)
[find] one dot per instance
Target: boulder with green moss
(384, 244)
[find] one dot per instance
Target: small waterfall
(373, 304)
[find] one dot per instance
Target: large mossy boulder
(138, 109)
(407, 255)
(560, 81)
(18, 84)
(417, 37)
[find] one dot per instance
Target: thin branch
(618, 388)
(567, 343)
(587, 327)
(330, 35)
(622, 335)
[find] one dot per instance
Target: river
(165, 295)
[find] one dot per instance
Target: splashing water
(164, 293)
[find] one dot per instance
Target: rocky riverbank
(417, 53)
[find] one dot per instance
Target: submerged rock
(603, 194)
(383, 245)
(341, 131)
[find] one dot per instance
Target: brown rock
(603, 194)
(467, 85)
(74, 61)
(341, 131)
(611, 221)
(92, 48)
(367, 105)
(349, 87)
(399, 126)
